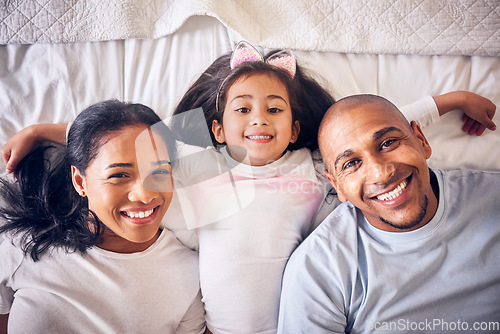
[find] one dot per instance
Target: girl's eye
(274, 110)
(161, 172)
(243, 110)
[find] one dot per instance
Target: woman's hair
(309, 101)
(43, 206)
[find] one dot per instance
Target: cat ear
(284, 60)
(245, 52)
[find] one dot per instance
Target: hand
(17, 148)
(478, 110)
(478, 114)
(22, 142)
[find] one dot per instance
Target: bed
(58, 57)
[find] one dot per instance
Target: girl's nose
(260, 117)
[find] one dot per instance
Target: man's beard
(412, 224)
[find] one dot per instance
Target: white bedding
(53, 82)
(425, 27)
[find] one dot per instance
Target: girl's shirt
(154, 291)
(249, 221)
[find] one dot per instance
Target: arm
(478, 110)
(3, 323)
(22, 142)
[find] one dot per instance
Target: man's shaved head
(343, 106)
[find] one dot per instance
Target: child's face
(258, 118)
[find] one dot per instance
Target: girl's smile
(257, 118)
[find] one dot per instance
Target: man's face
(378, 163)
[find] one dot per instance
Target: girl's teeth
(141, 214)
(395, 193)
(259, 137)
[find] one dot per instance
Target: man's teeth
(259, 137)
(395, 193)
(140, 214)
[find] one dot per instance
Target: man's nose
(378, 170)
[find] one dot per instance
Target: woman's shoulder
(11, 255)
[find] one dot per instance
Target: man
(411, 249)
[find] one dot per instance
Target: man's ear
(417, 131)
(334, 183)
(78, 181)
(295, 132)
(218, 132)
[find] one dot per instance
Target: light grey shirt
(349, 276)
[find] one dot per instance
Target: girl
(85, 239)
(258, 200)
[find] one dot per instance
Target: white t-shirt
(249, 221)
(154, 291)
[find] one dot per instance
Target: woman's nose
(138, 193)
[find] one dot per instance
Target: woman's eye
(274, 110)
(118, 176)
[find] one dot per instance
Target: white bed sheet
(53, 82)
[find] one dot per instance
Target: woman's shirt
(153, 291)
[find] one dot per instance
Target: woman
(87, 253)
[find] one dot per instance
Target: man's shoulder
(472, 181)
(337, 231)
(467, 173)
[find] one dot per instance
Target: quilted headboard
(424, 27)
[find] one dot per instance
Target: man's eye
(390, 143)
(274, 110)
(350, 164)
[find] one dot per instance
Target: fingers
(472, 126)
(10, 159)
(468, 122)
(488, 120)
(10, 165)
(6, 158)
(488, 123)
(480, 130)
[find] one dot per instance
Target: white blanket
(424, 27)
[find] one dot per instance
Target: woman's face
(129, 187)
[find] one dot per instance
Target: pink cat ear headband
(245, 52)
